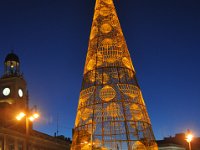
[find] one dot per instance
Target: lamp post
(189, 138)
(29, 115)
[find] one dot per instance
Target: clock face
(20, 92)
(6, 91)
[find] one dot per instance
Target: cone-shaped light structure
(111, 113)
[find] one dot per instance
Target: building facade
(15, 140)
(19, 134)
(170, 147)
(178, 142)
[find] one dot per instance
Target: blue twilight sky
(51, 39)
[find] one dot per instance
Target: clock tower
(13, 91)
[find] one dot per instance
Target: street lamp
(189, 138)
(29, 115)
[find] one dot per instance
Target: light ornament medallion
(129, 90)
(107, 93)
(139, 146)
(6, 91)
(107, 1)
(20, 93)
(107, 42)
(86, 94)
(106, 28)
(105, 11)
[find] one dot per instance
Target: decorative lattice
(86, 113)
(138, 146)
(113, 109)
(85, 94)
(111, 114)
(102, 78)
(130, 90)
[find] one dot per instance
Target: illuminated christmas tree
(111, 113)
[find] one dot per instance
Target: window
(11, 146)
(20, 146)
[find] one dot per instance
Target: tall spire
(111, 112)
(106, 44)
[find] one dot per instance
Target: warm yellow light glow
(129, 90)
(85, 94)
(20, 116)
(107, 93)
(31, 118)
(110, 94)
(189, 137)
(36, 115)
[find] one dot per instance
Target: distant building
(14, 134)
(178, 142)
(170, 146)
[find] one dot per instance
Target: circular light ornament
(106, 28)
(105, 11)
(20, 93)
(108, 1)
(107, 42)
(6, 91)
(107, 93)
(138, 145)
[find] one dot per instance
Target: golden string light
(111, 111)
